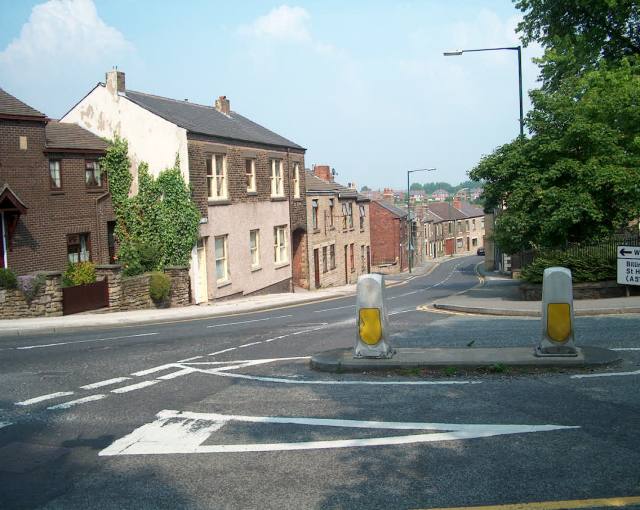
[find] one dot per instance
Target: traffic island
(342, 360)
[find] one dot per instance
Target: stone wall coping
(50, 273)
(109, 266)
(582, 285)
(182, 268)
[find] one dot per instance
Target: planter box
(591, 290)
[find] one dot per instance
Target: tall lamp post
(409, 172)
(512, 48)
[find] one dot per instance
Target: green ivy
(156, 228)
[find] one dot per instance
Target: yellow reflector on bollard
(370, 325)
(558, 321)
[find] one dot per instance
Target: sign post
(628, 265)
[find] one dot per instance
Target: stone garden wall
(125, 293)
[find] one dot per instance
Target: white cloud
(63, 46)
(284, 23)
(60, 29)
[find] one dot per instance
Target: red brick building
(388, 225)
(55, 205)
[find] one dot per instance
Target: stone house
(247, 181)
(338, 230)
(453, 228)
(55, 205)
(388, 237)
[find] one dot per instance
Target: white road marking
(133, 387)
(249, 344)
(605, 374)
(626, 349)
(222, 351)
(42, 398)
(100, 384)
(189, 359)
(152, 370)
(336, 308)
(247, 322)
(175, 432)
(83, 341)
(403, 311)
(179, 373)
(71, 403)
(5, 424)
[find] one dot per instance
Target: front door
(316, 266)
(203, 291)
(346, 263)
(368, 259)
(3, 243)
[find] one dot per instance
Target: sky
(362, 85)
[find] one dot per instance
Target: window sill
(315, 231)
(219, 201)
(257, 268)
(252, 193)
(280, 265)
(297, 199)
(278, 199)
(57, 192)
(224, 283)
(96, 190)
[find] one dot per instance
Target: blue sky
(362, 85)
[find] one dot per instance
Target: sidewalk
(45, 325)
(498, 295)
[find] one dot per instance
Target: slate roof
(207, 120)
(314, 184)
(10, 105)
(63, 135)
(471, 211)
(396, 211)
(446, 211)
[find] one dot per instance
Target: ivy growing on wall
(158, 226)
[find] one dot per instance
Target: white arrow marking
(184, 432)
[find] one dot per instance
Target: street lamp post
(409, 172)
(512, 48)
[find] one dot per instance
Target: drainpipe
(292, 287)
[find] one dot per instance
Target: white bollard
(557, 314)
(371, 319)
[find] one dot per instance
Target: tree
(416, 186)
(578, 177)
(579, 35)
(365, 188)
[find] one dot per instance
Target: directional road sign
(628, 265)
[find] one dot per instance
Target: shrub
(30, 285)
(159, 286)
(79, 273)
(8, 279)
(585, 267)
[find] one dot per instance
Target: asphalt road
(225, 413)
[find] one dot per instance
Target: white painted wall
(236, 221)
(151, 138)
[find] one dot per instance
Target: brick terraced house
(338, 230)
(452, 228)
(388, 237)
(248, 182)
(55, 205)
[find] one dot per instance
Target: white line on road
(605, 374)
(336, 308)
(133, 387)
(5, 424)
(247, 322)
(71, 403)
(83, 341)
(626, 349)
(42, 398)
(152, 370)
(100, 384)
(403, 311)
(222, 351)
(179, 373)
(189, 359)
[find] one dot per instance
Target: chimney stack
(456, 202)
(323, 172)
(223, 105)
(115, 82)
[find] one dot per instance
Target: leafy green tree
(365, 188)
(578, 177)
(578, 35)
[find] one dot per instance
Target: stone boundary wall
(46, 303)
(124, 293)
(591, 290)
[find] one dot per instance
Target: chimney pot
(223, 105)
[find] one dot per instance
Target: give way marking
(184, 432)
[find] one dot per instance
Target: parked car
(481, 251)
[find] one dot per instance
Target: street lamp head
(453, 53)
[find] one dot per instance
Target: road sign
(176, 432)
(628, 265)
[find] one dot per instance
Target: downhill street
(219, 413)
